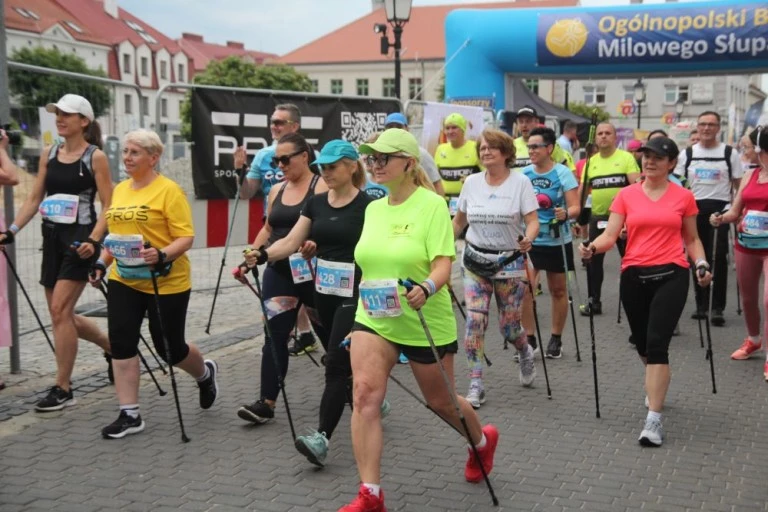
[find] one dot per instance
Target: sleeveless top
(282, 218)
(75, 178)
(755, 197)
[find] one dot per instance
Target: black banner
(223, 120)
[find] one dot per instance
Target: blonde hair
(145, 139)
(420, 177)
(358, 175)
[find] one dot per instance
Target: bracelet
(424, 289)
(14, 229)
(431, 285)
(101, 262)
(702, 263)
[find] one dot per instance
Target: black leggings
(338, 315)
(720, 272)
(653, 308)
(596, 265)
(283, 299)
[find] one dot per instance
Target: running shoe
(56, 400)
(305, 343)
(476, 394)
(652, 434)
(718, 320)
(554, 348)
(597, 309)
(527, 368)
(532, 342)
(258, 412)
(123, 426)
(386, 408)
(209, 388)
(472, 471)
(366, 502)
(700, 314)
(402, 359)
(747, 348)
(314, 447)
(765, 371)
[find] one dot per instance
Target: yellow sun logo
(567, 37)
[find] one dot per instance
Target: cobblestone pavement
(553, 454)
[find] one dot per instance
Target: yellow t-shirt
(453, 164)
(159, 213)
(607, 176)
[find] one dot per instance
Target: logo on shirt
(128, 213)
(400, 229)
(616, 181)
(541, 183)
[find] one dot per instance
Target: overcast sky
(274, 26)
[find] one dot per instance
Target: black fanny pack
(482, 266)
(657, 273)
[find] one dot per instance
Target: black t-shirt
(336, 230)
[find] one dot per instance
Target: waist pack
(752, 241)
(142, 271)
(656, 274)
(483, 266)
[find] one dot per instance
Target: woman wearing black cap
(660, 219)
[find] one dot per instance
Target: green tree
(234, 72)
(38, 89)
(585, 110)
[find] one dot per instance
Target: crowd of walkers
(358, 245)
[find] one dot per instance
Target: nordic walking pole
(464, 316)
(409, 284)
(167, 346)
(29, 301)
(702, 271)
(224, 256)
(268, 339)
(529, 278)
(592, 332)
(738, 294)
(556, 227)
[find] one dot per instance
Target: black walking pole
(701, 271)
(167, 346)
(592, 332)
(536, 321)
(409, 284)
(29, 301)
(738, 294)
(268, 340)
(464, 316)
(226, 248)
(555, 226)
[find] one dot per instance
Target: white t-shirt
(708, 173)
(495, 214)
(429, 165)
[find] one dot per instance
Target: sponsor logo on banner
(679, 35)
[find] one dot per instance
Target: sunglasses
(284, 159)
(279, 122)
(536, 146)
(381, 160)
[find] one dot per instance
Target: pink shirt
(654, 228)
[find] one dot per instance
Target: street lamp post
(639, 99)
(398, 13)
(679, 106)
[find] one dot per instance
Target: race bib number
(125, 248)
(512, 270)
(335, 278)
(602, 224)
(380, 298)
(707, 176)
(60, 208)
(453, 205)
(300, 271)
(755, 223)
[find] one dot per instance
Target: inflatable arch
(705, 38)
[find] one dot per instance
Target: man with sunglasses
(713, 172)
(398, 120)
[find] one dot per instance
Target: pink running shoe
(472, 471)
(765, 371)
(746, 350)
(366, 502)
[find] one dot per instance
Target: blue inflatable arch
(704, 38)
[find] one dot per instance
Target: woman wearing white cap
(69, 177)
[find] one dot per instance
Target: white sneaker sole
(647, 440)
(127, 432)
(215, 375)
(61, 406)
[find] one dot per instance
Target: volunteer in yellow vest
(610, 170)
(456, 159)
(148, 207)
(528, 119)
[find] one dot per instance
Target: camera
(14, 136)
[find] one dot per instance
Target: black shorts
(60, 260)
(421, 355)
(125, 312)
(550, 257)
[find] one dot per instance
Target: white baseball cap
(72, 104)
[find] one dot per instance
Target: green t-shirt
(453, 164)
(400, 242)
(607, 176)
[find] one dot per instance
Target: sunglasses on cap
(285, 159)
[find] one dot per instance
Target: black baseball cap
(527, 110)
(662, 146)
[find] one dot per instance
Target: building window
(362, 87)
(533, 85)
(388, 87)
(126, 63)
(163, 70)
(128, 104)
(314, 86)
(181, 75)
(414, 87)
(144, 66)
(144, 106)
(629, 93)
(594, 95)
(673, 93)
(337, 86)
(164, 107)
